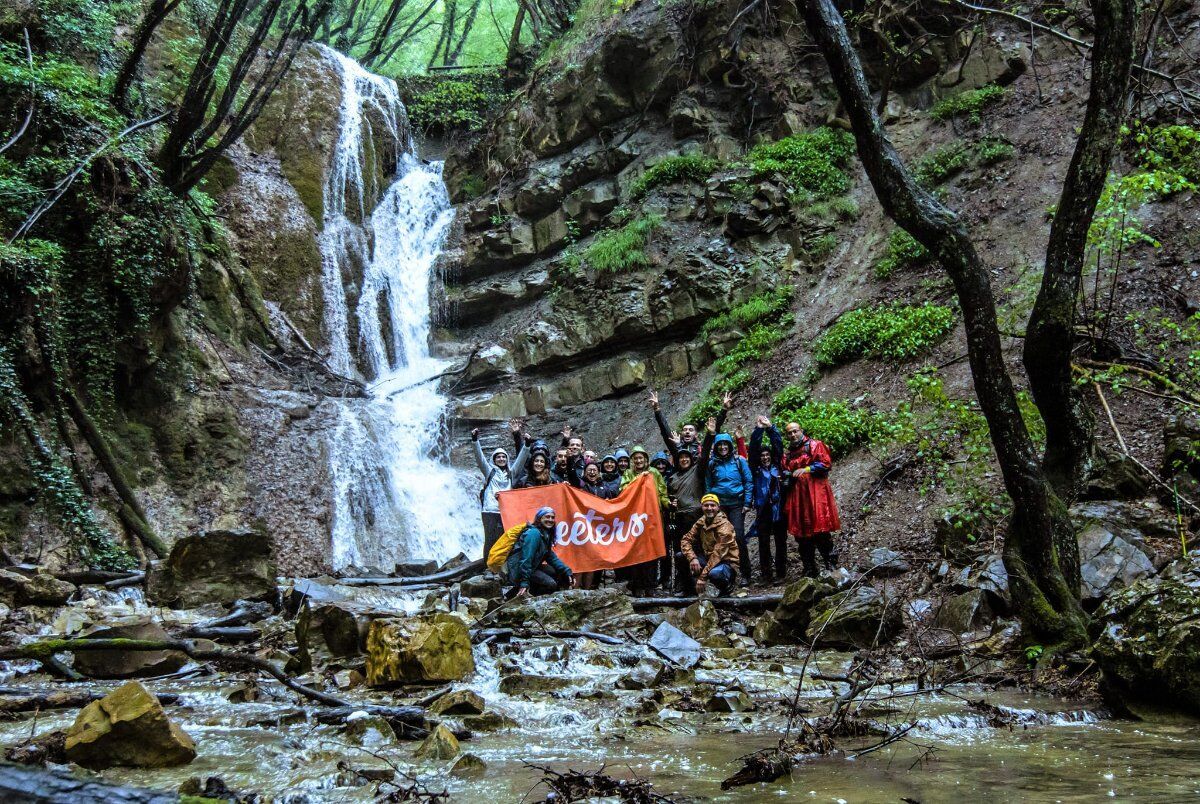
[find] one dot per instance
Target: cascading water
(395, 496)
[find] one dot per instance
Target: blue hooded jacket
(729, 478)
(536, 547)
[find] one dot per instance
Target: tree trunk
(1046, 600)
(158, 11)
(1050, 334)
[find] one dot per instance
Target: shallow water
(1067, 753)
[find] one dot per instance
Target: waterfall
(395, 495)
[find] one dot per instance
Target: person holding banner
(711, 548)
(498, 476)
(593, 483)
(532, 567)
(641, 577)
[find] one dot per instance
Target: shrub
(622, 249)
(991, 150)
(673, 170)
(840, 425)
(903, 251)
(892, 332)
(942, 163)
(1175, 148)
(758, 343)
(760, 307)
(969, 104)
(814, 162)
(441, 103)
(473, 186)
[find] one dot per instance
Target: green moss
(891, 332)
(813, 163)
(757, 308)
(903, 251)
(949, 160)
(969, 104)
(673, 170)
(619, 250)
(472, 186)
(840, 424)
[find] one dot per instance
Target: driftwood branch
(20, 132)
(502, 634)
(447, 576)
(755, 603)
(17, 700)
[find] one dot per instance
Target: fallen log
(756, 603)
(408, 715)
(96, 577)
(44, 650)
(132, 580)
(39, 786)
(528, 633)
(244, 613)
(446, 576)
(16, 700)
(232, 634)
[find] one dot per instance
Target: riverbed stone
(468, 766)
(572, 609)
(885, 562)
(645, 675)
(344, 626)
(962, 613)
(1108, 561)
(129, 663)
(798, 599)
(368, 731)
(485, 586)
(419, 650)
(458, 702)
(1148, 637)
(489, 721)
(675, 646)
(769, 630)
(37, 589)
(858, 617)
(701, 621)
(440, 744)
(216, 566)
(127, 727)
(524, 683)
(989, 574)
(730, 701)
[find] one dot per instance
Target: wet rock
(440, 744)
(1148, 637)
(129, 663)
(883, 562)
(962, 613)
(730, 701)
(798, 599)
(368, 731)
(1180, 434)
(485, 587)
(348, 679)
(344, 626)
(1109, 562)
(38, 589)
(1115, 477)
(675, 646)
(468, 766)
(769, 630)
(646, 675)
(858, 617)
(489, 721)
(127, 728)
(988, 574)
(216, 566)
(523, 683)
(415, 569)
(459, 702)
(700, 620)
(310, 591)
(572, 609)
(418, 650)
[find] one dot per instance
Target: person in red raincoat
(811, 510)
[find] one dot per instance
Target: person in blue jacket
(769, 522)
(729, 478)
(532, 567)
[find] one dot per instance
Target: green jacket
(534, 548)
(664, 500)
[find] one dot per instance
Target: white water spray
(395, 496)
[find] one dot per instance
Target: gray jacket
(496, 479)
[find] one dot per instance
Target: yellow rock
(128, 727)
(418, 650)
(440, 744)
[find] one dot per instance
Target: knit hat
(710, 498)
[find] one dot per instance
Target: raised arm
(672, 444)
(518, 463)
(477, 449)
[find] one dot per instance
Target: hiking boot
(743, 582)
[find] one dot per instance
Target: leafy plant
(903, 251)
(463, 102)
(813, 163)
(891, 332)
(757, 308)
(841, 425)
(1175, 148)
(949, 160)
(623, 249)
(673, 170)
(969, 104)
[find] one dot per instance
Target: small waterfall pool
(396, 497)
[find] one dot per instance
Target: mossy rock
(128, 728)
(422, 650)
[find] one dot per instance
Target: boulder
(675, 646)
(729, 701)
(1115, 476)
(419, 650)
(522, 683)
(485, 587)
(468, 766)
(489, 721)
(700, 620)
(440, 744)
(572, 609)
(344, 626)
(38, 589)
(129, 663)
(858, 617)
(1108, 562)
(989, 574)
(1148, 637)
(216, 566)
(770, 630)
(884, 562)
(645, 675)
(127, 727)
(459, 702)
(798, 599)
(368, 731)
(310, 591)
(415, 569)
(962, 613)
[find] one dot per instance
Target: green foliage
(903, 251)
(618, 250)
(67, 94)
(439, 103)
(969, 104)
(949, 160)
(1115, 225)
(1033, 653)
(673, 170)
(758, 343)
(1173, 345)
(813, 163)
(79, 26)
(473, 186)
(840, 424)
(890, 332)
(1175, 148)
(760, 307)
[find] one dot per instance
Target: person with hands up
(498, 475)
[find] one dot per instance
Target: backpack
(498, 555)
(487, 481)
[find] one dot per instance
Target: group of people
(715, 492)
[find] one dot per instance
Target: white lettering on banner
(594, 528)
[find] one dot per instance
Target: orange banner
(595, 534)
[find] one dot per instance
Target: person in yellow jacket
(711, 548)
(641, 576)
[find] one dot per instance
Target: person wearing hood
(622, 461)
(609, 470)
(769, 523)
(641, 577)
(593, 482)
(810, 507)
(728, 477)
(711, 549)
(537, 471)
(662, 462)
(498, 474)
(532, 567)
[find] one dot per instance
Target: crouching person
(711, 548)
(532, 567)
